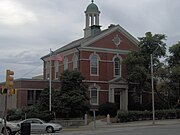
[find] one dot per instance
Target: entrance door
(117, 97)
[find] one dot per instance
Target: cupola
(92, 27)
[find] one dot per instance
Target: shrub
(46, 116)
(177, 113)
(108, 108)
(160, 114)
(143, 115)
(123, 117)
(13, 114)
(29, 112)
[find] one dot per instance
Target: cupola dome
(92, 8)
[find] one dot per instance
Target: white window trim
(120, 66)
(98, 59)
(98, 89)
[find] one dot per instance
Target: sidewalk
(102, 124)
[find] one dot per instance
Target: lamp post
(152, 84)
(50, 80)
(152, 87)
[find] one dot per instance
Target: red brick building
(99, 56)
(28, 91)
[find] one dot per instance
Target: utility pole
(50, 80)
(152, 87)
(152, 84)
(5, 115)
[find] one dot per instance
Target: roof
(82, 42)
(71, 45)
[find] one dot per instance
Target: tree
(174, 67)
(139, 63)
(137, 73)
(43, 101)
(152, 44)
(73, 100)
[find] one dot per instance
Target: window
(94, 96)
(65, 63)
(47, 69)
(75, 62)
(117, 67)
(38, 93)
(30, 97)
(94, 64)
(56, 64)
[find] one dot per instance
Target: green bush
(13, 114)
(28, 112)
(147, 115)
(46, 116)
(123, 117)
(160, 114)
(143, 115)
(177, 113)
(108, 108)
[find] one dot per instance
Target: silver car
(12, 128)
(38, 125)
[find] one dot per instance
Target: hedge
(147, 115)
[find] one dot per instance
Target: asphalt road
(135, 130)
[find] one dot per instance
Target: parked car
(12, 128)
(38, 125)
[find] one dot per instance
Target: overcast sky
(29, 28)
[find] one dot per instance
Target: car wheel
(49, 129)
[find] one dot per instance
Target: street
(134, 130)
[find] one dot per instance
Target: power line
(31, 70)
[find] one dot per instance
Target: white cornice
(105, 50)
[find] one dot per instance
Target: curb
(128, 124)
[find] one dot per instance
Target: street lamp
(152, 85)
(50, 79)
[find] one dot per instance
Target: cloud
(13, 13)
(22, 64)
(29, 28)
(140, 16)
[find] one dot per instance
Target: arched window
(65, 63)
(94, 64)
(56, 65)
(75, 62)
(117, 66)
